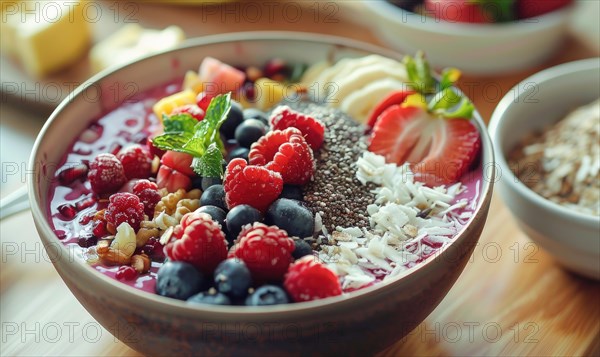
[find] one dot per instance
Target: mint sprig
(201, 139)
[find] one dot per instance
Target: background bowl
(572, 238)
(474, 48)
(358, 323)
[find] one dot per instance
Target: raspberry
(307, 279)
(136, 161)
(202, 244)
(106, 174)
(286, 152)
(148, 193)
(142, 185)
(256, 186)
(266, 250)
(313, 130)
(125, 207)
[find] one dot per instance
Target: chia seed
(334, 191)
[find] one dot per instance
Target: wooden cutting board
(512, 298)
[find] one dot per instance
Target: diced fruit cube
(166, 105)
(179, 161)
(172, 179)
(268, 92)
(219, 78)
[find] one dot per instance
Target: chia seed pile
(335, 193)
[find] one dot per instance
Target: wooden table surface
(512, 298)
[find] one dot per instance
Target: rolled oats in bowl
(562, 163)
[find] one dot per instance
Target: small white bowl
(572, 238)
(474, 48)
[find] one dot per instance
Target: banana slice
(360, 102)
(363, 77)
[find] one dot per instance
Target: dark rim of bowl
(547, 75)
(392, 12)
(144, 297)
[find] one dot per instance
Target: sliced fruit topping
(124, 207)
(202, 243)
(106, 174)
(253, 185)
(266, 250)
(218, 77)
(136, 161)
(312, 129)
(395, 97)
(307, 280)
(172, 179)
(179, 161)
(439, 148)
(286, 152)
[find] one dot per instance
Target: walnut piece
(141, 263)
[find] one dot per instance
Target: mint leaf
(172, 141)
(209, 164)
(183, 123)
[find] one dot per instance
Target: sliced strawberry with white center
(395, 97)
(440, 150)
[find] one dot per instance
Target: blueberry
(301, 248)
(292, 192)
(208, 298)
(178, 280)
(216, 213)
(210, 181)
(239, 153)
(268, 295)
(239, 216)
(197, 182)
(291, 216)
(234, 118)
(253, 113)
(214, 196)
(249, 132)
(233, 278)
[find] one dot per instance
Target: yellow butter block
(268, 93)
(167, 104)
(131, 42)
(45, 36)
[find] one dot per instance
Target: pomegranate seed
(154, 249)
(99, 229)
(85, 203)
(249, 91)
(70, 174)
(60, 234)
(87, 240)
(115, 148)
(126, 273)
(85, 219)
(67, 210)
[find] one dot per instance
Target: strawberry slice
(439, 150)
(179, 161)
(395, 97)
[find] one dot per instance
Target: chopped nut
(190, 204)
(166, 237)
(99, 216)
(141, 263)
(155, 164)
(194, 194)
(144, 234)
(103, 246)
(112, 256)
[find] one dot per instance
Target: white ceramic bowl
(540, 100)
(474, 48)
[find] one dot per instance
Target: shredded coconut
(404, 216)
